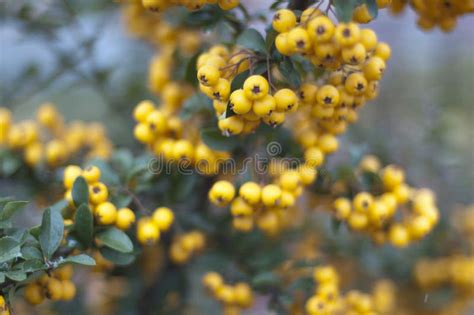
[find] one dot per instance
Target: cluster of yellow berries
(328, 299)
(164, 135)
(156, 30)
(48, 139)
(331, 46)
(160, 5)
(233, 297)
(269, 206)
(376, 215)
(58, 287)
(251, 104)
(355, 62)
(456, 270)
(104, 211)
(362, 14)
(149, 229)
(432, 13)
(185, 246)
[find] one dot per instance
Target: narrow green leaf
(214, 139)
(9, 249)
(344, 9)
(80, 191)
(118, 258)
(116, 239)
(84, 225)
(270, 39)
(252, 40)
(238, 81)
(11, 208)
(190, 74)
(372, 7)
(52, 229)
(81, 259)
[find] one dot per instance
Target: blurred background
(78, 55)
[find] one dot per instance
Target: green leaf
(238, 81)
(336, 225)
(214, 139)
(52, 229)
(81, 259)
(372, 7)
(265, 279)
(11, 208)
(118, 258)
(84, 225)
(190, 74)
(122, 160)
(270, 39)
(80, 191)
(9, 249)
(116, 239)
(16, 275)
(252, 40)
(289, 72)
(198, 103)
(59, 206)
(2, 277)
(33, 265)
(344, 9)
(31, 252)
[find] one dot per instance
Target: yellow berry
(91, 174)
(142, 110)
(283, 20)
(264, 107)
(232, 125)
(320, 29)
(69, 290)
(368, 38)
(290, 180)
(125, 218)
(343, 208)
(398, 235)
(314, 157)
(298, 39)
(105, 213)
(212, 281)
(285, 100)
(347, 34)
(239, 207)
(163, 218)
(33, 294)
(250, 192)
(221, 193)
(328, 95)
(383, 51)
(256, 87)
(54, 289)
(271, 195)
(239, 102)
(208, 75)
(71, 173)
(374, 68)
(356, 84)
(392, 176)
(98, 193)
(147, 232)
